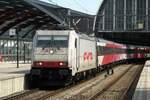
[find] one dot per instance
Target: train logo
(88, 56)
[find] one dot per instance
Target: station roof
(30, 15)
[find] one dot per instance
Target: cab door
(76, 55)
(73, 53)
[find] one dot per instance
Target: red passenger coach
(109, 52)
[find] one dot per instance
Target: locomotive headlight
(60, 63)
(63, 64)
(40, 63)
(51, 51)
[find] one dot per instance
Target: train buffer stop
(142, 91)
(13, 79)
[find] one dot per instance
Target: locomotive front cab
(50, 55)
(51, 52)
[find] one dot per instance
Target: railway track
(118, 90)
(20, 94)
(35, 94)
(82, 90)
(88, 89)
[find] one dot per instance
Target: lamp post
(13, 32)
(17, 48)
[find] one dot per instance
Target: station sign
(140, 25)
(12, 32)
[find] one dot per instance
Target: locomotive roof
(86, 37)
(53, 32)
(63, 32)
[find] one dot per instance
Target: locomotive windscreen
(52, 41)
(51, 48)
(60, 41)
(44, 41)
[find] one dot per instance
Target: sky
(86, 6)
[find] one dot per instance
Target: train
(60, 57)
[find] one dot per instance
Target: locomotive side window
(75, 43)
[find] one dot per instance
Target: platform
(142, 91)
(13, 79)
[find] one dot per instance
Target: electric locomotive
(59, 56)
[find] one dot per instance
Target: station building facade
(123, 15)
